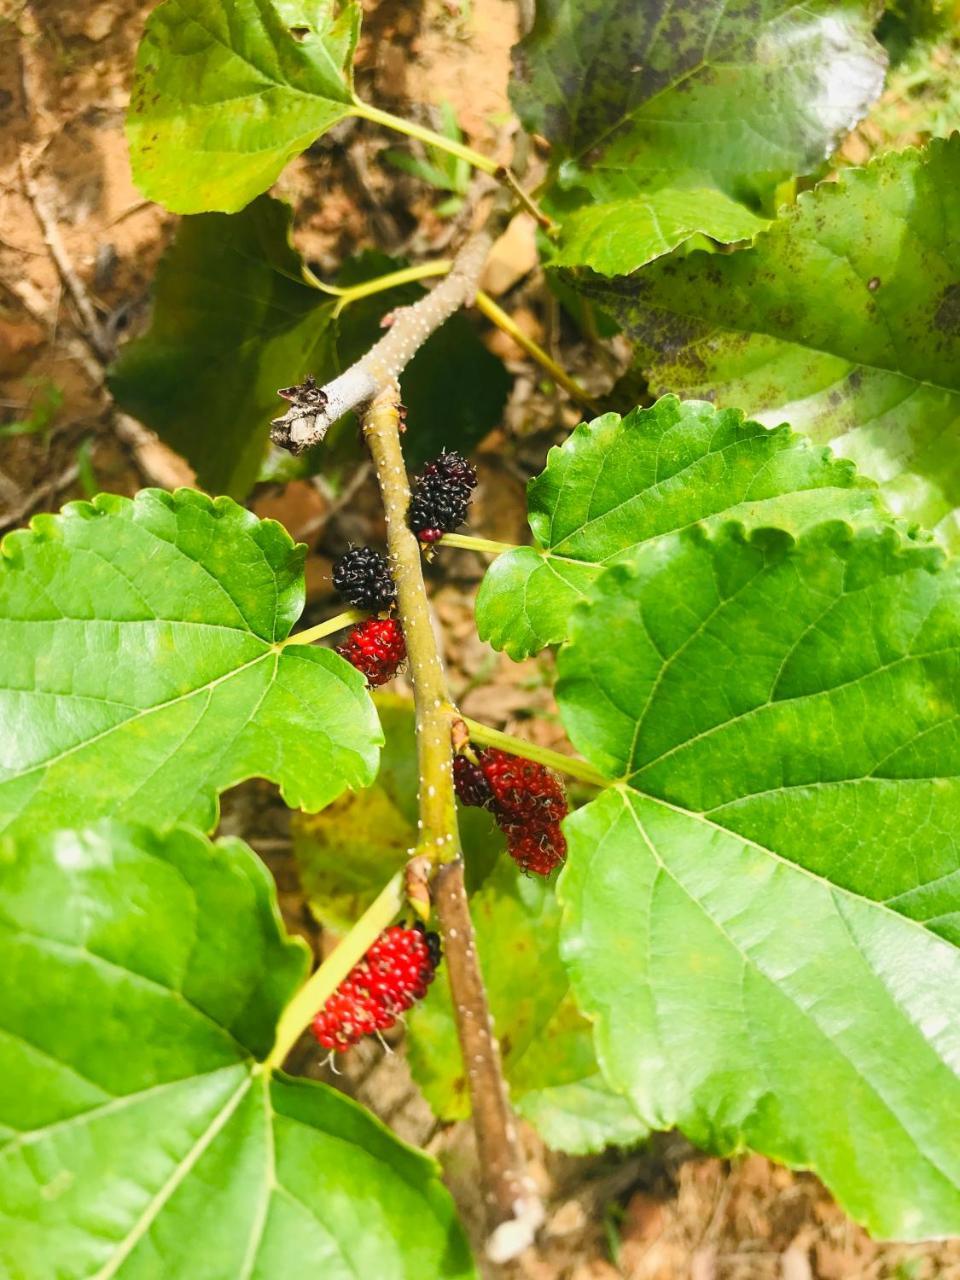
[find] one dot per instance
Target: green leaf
(619, 236)
(227, 91)
(618, 482)
(843, 318)
(140, 1136)
(739, 98)
(762, 918)
(234, 318)
(546, 1045)
(347, 853)
(145, 667)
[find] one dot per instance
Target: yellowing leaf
(227, 91)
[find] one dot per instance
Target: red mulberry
(391, 977)
(376, 647)
(526, 799)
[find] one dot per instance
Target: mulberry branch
(514, 1209)
(313, 410)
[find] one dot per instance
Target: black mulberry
(361, 576)
(441, 496)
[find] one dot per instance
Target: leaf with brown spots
(739, 96)
(227, 91)
(843, 318)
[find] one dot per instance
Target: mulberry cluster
(376, 647)
(526, 799)
(390, 978)
(362, 577)
(441, 496)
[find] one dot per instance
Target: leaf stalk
(555, 760)
(432, 139)
(467, 542)
(510, 179)
(346, 294)
(503, 173)
(506, 323)
(337, 623)
(392, 280)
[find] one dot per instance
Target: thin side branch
(92, 329)
(506, 175)
(514, 1211)
(499, 317)
(513, 1208)
(14, 514)
(310, 417)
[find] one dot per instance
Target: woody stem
(513, 1209)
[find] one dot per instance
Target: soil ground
(663, 1213)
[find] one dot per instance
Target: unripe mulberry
(391, 977)
(376, 647)
(362, 577)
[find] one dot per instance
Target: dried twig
(36, 105)
(15, 514)
(93, 331)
